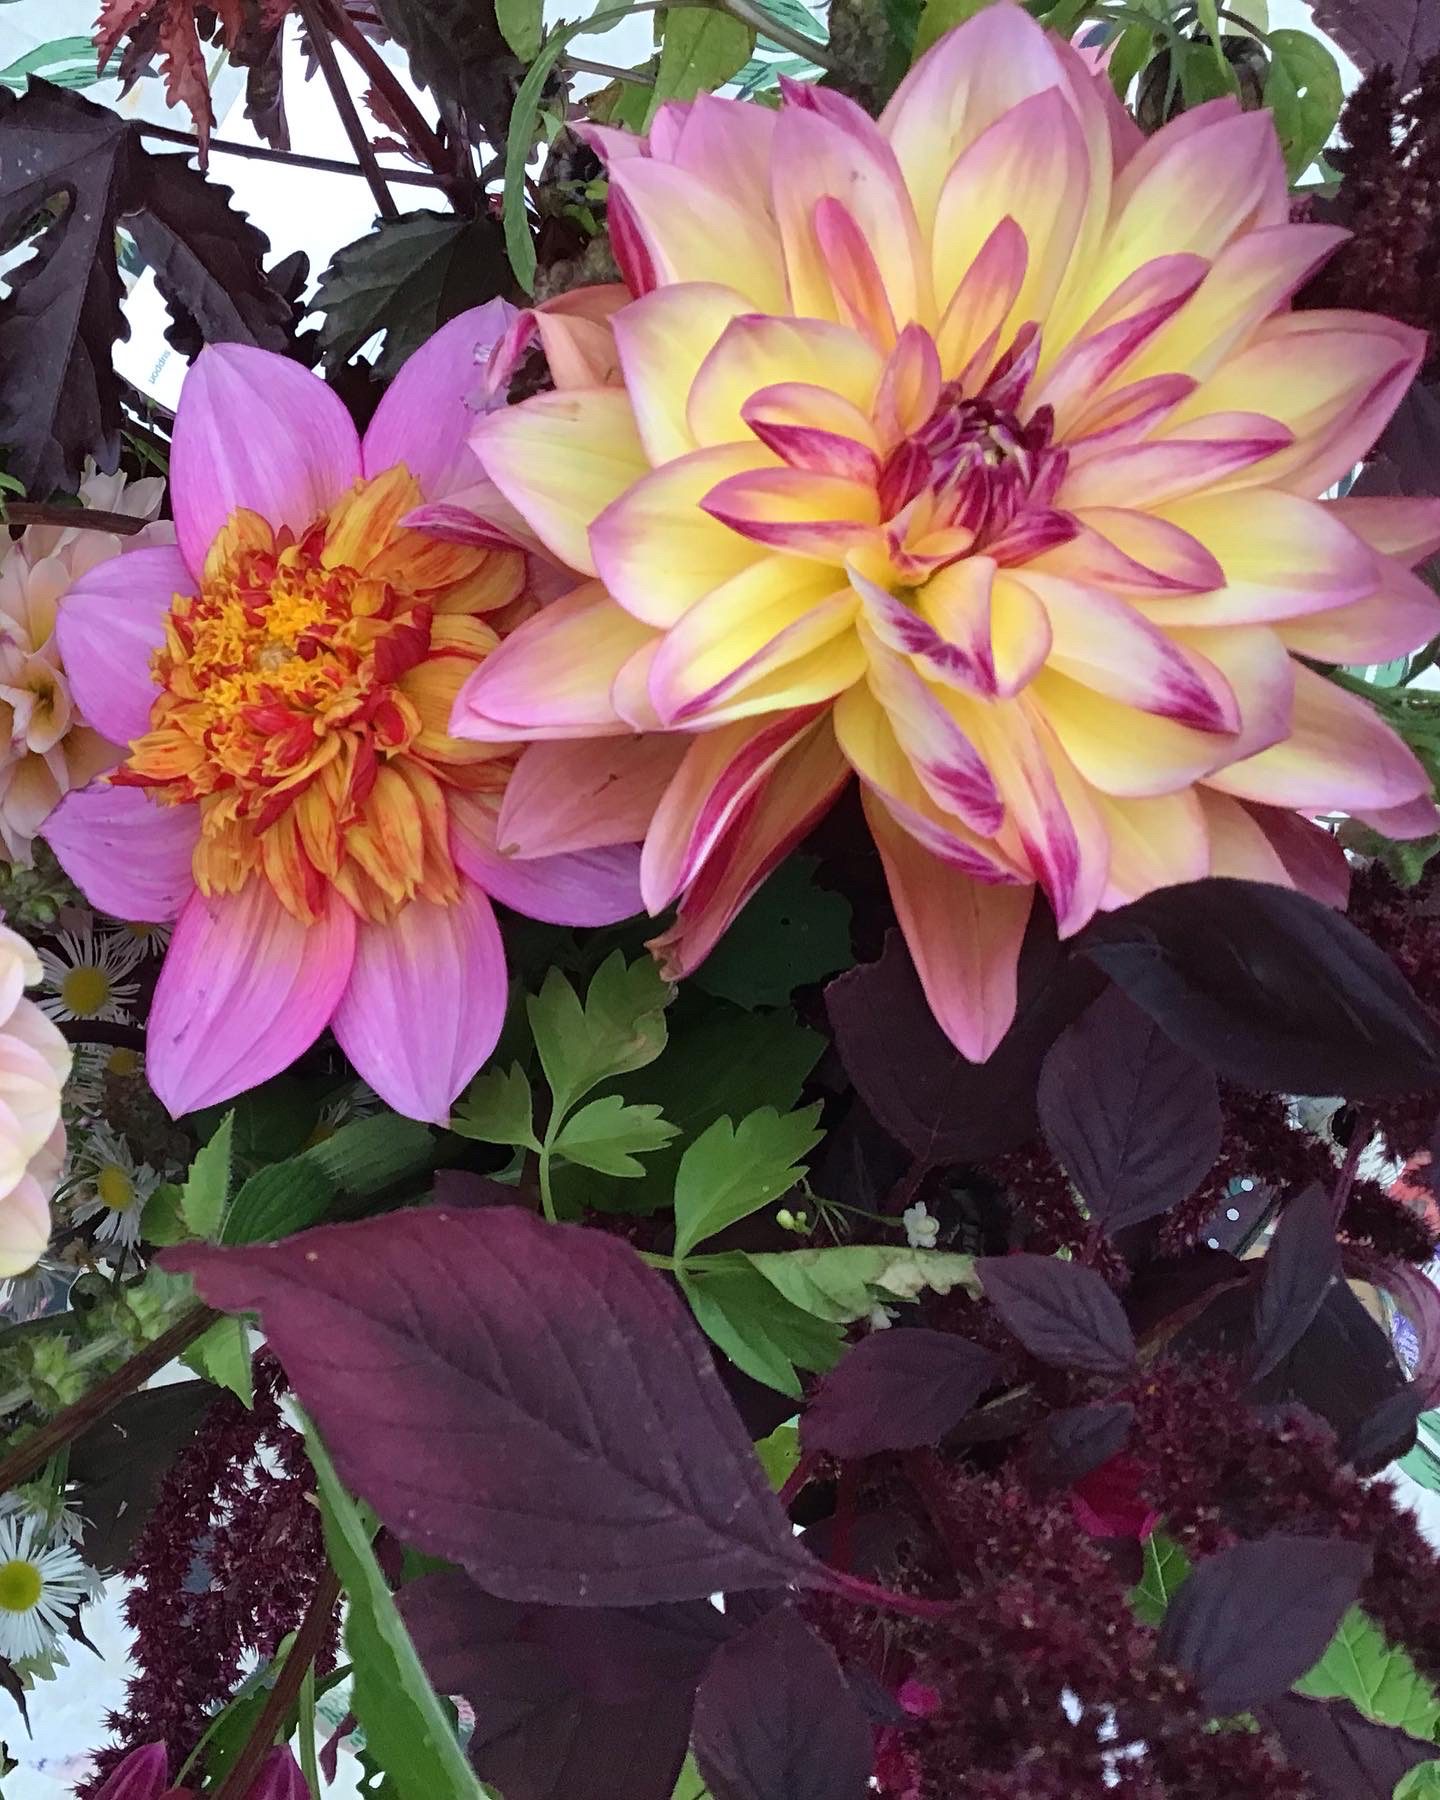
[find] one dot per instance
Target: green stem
(309, 1766)
(547, 1198)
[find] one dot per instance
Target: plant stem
(547, 1197)
(1360, 1133)
(102, 1031)
(423, 140)
(102, 1399)
(329, 165)
(276, 1710)
(309, 1768)
(866, 1593)
(78, 518)
(582, 65)
(317, 29)
(766, 25)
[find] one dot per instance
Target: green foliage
(280, 1200)
(1422, 1464)
(223, 1356)
(1304, 92)
(498, 1108)
(1166, 1566)
(940, 16)
(366, 1156)
(522, 24)
(690, 1786)
(779, 1454)
(621, 1026)
(162, 1221)
(762, 1332)
(1404, 860)
(1375, 1677)
(700, 51)
(605, 1134)
(791, 934)
(732, 1171)
(1422, 1783)
(67, 62)
(406, 278)
(404, 1722)
(207, 1187)
(846, 1283)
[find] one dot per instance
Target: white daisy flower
(36, 1294)
(107, 1184)
(152, 936)
(922, 1228)
(41, 1588)
(86, 977)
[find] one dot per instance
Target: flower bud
(144, 1775)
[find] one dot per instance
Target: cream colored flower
(46, 748)
(34, 1065)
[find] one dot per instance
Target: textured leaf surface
(1402, 33)
(1377, 1678)
(1061, 1312)
(897, 1390)
(845, 1283)
(1072, 1443)
(790, 934)
(1300, 1265)
(536, 1404)
(760, 1330)
(1345, 1756)
(731, 1171)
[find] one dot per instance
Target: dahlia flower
(46, 747)
(34, 1062)
(974, 453)
(282, 680)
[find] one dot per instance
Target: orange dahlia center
(304, 703)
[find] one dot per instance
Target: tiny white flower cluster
(922, 1228)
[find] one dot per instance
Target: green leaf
(1134, 49)
(690, 1786)
(1376, 1678)
(732, 1171)
(780, 1454)
(404, 1721)
(65, 61)
(498, 1108)
(275, 1202)
(791, 934)
(223, 1356)
(604, 1135)
(1422, 1783)
(941, 16)
(700, 51)
(1166, 1566)
(207, 1187)
(621, 1027)
(1422, 1464)
(271, 1122)
(523, 25)
(762, 1332)
(162, 1222)
(1303, 90)
(1405, 860)
(848, 1282)
(369, 1155)
(406, 278)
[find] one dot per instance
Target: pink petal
(1134, 553)
(1416, 818)
(1169, 468)
(428, 412)
(24, 1226)
(963, 935)
(245, 988)
(111, 622)
(128, 855)
(951, 638)
(258, 431)
(580, 795)
(1402, 614)
(662, 340)
(949, 767)
(583, 887)
(425, 1002)
(798, 793)
(1408, 530)
(821, 516)
(1312, 856)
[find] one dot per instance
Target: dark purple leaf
(776, 1720)
(118, 1464)
(1345, 1755)
(1401, 33)
(1385, 1433)
(1407, 455)
(1060, 1311)
(1133, 1120)
(1270, 988)
(11, 1684)
(1249, 1622)
(943, 1108)
(527, 1400)
(1069, 1445)
(540, 1734)
(897, 1390)
(1301, 1263)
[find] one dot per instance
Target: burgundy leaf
(897, 1390)
(1301, 1263)
(1249, 1622)
(1407, 455)
(1401, 33)
(1345, 1755)
(528, 1400)
(943, 1108)
(1072, 1444)
(1385, 1433)
(1061, 1312)
(1270, 988)
(1132, 1119)
(541, 1734)
(775, 1718)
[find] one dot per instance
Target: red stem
(798, 1477)
(866, 1593)
(383, 79)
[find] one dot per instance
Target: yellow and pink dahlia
(281, 681)
(34, 1066)
(975, 453)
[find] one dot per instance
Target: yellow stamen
(20, 1587)
(85, 991)
(114, 1188)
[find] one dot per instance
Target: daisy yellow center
(20, 1586)
(304, 703)
(122, 1061)
(85, 990)
(114, 1188)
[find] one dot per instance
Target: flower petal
(580, 795)
(255, 430)
(1402, 614)
(1314, 861)
(662, 340)
(552, 677)
(598, 886)
(24, 1227)
(128, 855)
(1338, 756)
(560, 459)
(1408, 530)
(426, 415)
(245, 988)
(111, 623)
(822, 516)
(755, 352)
(1132, 553)
(963, 935)
(1213, 449)
(1155, 842)
(657, 551)
(691, 228)
(425, 1002)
